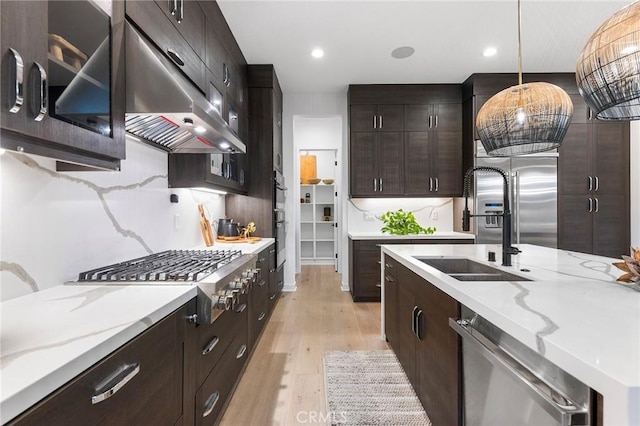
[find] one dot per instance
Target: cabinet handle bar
(18, 85)
(131, 371)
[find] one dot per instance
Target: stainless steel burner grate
(170, 265)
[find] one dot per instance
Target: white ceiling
(448, 37)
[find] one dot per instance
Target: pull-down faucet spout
(507, 249)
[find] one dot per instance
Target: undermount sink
(467, 270)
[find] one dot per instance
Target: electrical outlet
(434, 215)
(176, 222)
(369, 216)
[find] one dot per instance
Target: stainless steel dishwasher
(506, 383)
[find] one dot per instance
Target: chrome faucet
(507, 249)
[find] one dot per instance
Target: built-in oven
(279, 217)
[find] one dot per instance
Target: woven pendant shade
(608, 69)
(524, 119)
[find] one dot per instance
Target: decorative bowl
(327, 181)
(313, 181)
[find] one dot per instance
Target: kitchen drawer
(259, 316)
(391, 266)
(276, 285)
(152, 21)
(152, 396)
(218, 386)
(223, 330)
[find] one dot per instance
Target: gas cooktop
(170, 266)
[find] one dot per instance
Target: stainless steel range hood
(164, 108)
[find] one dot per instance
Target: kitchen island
(573, 313)
(51, 336)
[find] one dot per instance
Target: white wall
(434, 212)
(55, 225)
(635, 183)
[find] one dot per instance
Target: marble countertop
(51, 336)
(435, 236)
(574, 313)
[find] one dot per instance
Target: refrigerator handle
(516, 205)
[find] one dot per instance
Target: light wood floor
(283, 383)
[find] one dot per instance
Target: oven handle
(565, 411)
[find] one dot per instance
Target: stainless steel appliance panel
(535, 189)
(534, 195)
(507, 383)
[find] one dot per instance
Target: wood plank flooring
(283, 383)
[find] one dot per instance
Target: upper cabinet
(405, 140)
(63, 81)
(155, 20)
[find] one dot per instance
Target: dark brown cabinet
(376, 168)
(225, 172)
(364, 265)
(259, 308)
(427, 348)
(405, 140)
(146, 373)
(593, 185)
(433, 147)
(162, 28)
(264, 148)
(45, 47)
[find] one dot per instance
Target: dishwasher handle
(567, 413)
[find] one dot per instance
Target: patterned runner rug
(370, 388)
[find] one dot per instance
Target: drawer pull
(272, 270)
(272, 251)
(18, 88)
(40, 109)
(387, 265)
(241, 308)
(273, 296)
(121, 377)
(262, 283)
(261, 316)
(378, 262)
(241, 351)
(378, 285)
(175, 57)
(212, 344)
(262, 259)
(211, 402)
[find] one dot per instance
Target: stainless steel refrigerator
(534, 199)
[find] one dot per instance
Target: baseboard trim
(289, 287)
(344, 286)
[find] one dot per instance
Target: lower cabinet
(138, 384)
(260, 292)
(364, 264)
(417, 327)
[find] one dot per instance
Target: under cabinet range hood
(164, 108)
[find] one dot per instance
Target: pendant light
(608, 69)
(526, 118)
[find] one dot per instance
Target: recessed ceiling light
(199, 129)
(489, 51)
(224, 145)
(402, 52)
(317, 53)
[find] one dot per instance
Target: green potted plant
(403, 223)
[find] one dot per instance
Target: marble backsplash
(54, 225)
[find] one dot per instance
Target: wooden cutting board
(250, 240)
(205, 227)
(307, 168)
